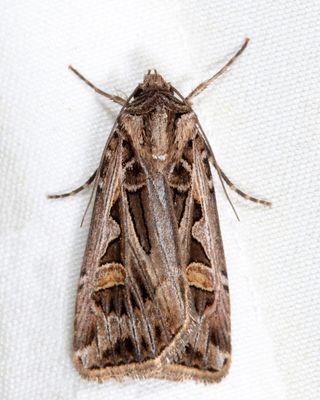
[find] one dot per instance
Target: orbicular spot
(180, 177)
(109, 275)
(134, 177)
(200, 276)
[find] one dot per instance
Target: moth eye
(109, 275)
(200, 276)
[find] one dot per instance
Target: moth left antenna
(115, 99)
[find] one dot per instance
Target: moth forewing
(144, 317)
(153, 298)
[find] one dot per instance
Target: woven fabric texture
(262, 120)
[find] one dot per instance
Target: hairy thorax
(159, 135)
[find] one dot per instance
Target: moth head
(153, 80)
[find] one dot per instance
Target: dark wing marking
(126, 321)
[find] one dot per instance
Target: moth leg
(116, 99)
(75, 191)
(234, 187)
(206, 83)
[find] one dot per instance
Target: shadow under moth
(153, 297)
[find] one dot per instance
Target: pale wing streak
(205, 196)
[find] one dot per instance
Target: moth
(153, 296)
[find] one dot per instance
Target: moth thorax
(159, 135)
(153, 80)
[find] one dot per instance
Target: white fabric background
(262, 119)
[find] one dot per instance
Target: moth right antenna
(203, 85)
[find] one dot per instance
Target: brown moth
(153, 297)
